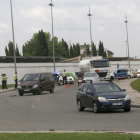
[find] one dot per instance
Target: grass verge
(8, 86)
(68, 136)
(136, 85)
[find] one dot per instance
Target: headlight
(102, 99)
(19, 87)
(35, 86)
(127, 97)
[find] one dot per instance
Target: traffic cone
(67, 86)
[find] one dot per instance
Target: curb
(78, 131)
(3, 91)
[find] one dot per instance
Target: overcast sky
(72, 23)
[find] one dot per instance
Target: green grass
(8, 86)
(136, 85)
(68, 136)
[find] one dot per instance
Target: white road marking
(38, 99)
(32, 106)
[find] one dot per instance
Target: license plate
(26, 89)
(114, 104)
(80, 80)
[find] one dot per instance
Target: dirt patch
(125, 84)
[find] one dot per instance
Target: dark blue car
(102, 96)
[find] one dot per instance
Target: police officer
(15, 79)
(2, 80)
(64, 77)
(5, 81)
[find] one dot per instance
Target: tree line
(41, 45)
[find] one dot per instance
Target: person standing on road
(15, 79)
(2, 80)
(5, 81)
(64, 77)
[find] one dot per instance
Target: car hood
(24, 83)
(112, 95)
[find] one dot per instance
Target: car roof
(40, 73)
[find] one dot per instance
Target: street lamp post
(90, 31)
(51, 4)
(13, 36)
(126, 47)
(127, 42)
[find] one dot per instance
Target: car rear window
(109, 87)
(90, 75)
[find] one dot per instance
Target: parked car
(58, 79)
(102, 95)
(36, 83)
(123, 74)
(70, 79)
(91, 76)
(138, 74)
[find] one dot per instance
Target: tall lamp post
(13, 36)
(90, 31)
(51, 4)
(126, 47)
(127, 41)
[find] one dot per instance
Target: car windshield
(106, 87)
(90, 75)
(99, 64)
(31, 77)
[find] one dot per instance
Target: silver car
(88, 76)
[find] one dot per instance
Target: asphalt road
(58, 111)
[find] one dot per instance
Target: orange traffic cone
(67, 86)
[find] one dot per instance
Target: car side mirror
(88, 92)
(20, 80)
(123, 90)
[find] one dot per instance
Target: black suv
(36, 83)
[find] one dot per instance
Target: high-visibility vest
(1, 78)
(5, 78)
(64, 74)
(15, 77)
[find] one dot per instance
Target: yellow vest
(1, 78)
(64, 74)
(15, 77)
(5, 78)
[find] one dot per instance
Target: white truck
(95, 64)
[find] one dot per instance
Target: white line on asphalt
(38, 99)
(32, 106)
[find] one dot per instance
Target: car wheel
(20, 93)
(128, 76)
(79, 106)
(127, 110)
(39, 91)
(95, 108)
(34, 93)
(60, 83)
(52, 90)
